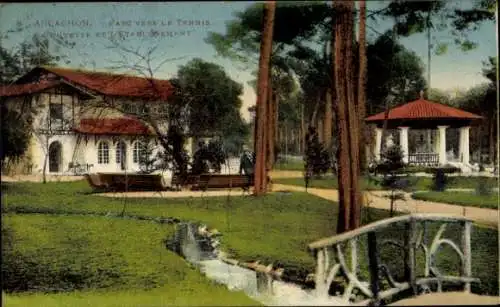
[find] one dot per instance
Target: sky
(183, 27)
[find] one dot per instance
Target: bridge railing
(339, 258)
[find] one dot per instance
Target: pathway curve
(448, 298)
(376, 199)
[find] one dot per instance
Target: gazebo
(433, 117)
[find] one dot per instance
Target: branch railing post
(375, 290)
(374, 269)
(410, 255)
(466, 248)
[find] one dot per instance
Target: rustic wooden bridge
(340, 257)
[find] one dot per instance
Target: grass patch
(103, 259)
(275, 228)
(293, 165)
(326, 182)
(460, 198)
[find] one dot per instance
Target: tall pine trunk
(361, 98)
(387, 101)
(276, 124)
(263, 84)
(353, 120)
(270, 127)
(327, 124)
(340, 26)
(302, 130)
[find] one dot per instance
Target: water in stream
(201, 252)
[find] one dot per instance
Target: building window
(118, 153)
(138, 155)
(56, 113)
(103, 153)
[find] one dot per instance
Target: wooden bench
(218, 181)
(122, 182)
(178, 181)
(95, 182)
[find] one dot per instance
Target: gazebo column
(378, 143)
(442, 144)
(436, 141)
(464, 151)
(403, 142)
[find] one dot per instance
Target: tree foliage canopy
(213, 101)
(16, 122)
(394, 73)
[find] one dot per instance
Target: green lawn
(460, 198)
(275, 228)
(292, 165)
(326, 182)
(99, 261)
(418, 183)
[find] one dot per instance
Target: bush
(484, 187)
(208, 156)
(317, 159)
(430, 170)
(391, 167)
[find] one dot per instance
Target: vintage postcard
(249, 153)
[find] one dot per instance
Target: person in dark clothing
(247, 162)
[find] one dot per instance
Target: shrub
(431, 170)
(391, 167)
(317, 159)
(208, 156)
(484, 187)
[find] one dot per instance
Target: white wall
(40, 148)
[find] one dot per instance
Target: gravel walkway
(449, 298)
(38, 178)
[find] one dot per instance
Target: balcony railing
(423, 159)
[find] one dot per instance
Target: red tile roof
(113, 126)
(23, 89)
(116, 84)
(423, 109)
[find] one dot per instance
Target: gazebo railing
(424, 159)
(340, 257)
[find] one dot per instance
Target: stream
(201, 251)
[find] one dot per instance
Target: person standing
(247, 162)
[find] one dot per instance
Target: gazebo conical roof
(424, 111)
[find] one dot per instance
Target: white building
(80, 126)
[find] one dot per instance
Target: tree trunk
(263, 83)
(276, 121)
(302, 130)
(270, 127)
(361, 99)
(353, 121)
(492, 140)
(313, 121)
(387, 101)
(320, 130)
(45, 160)
(327, 125)
(340, 27)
